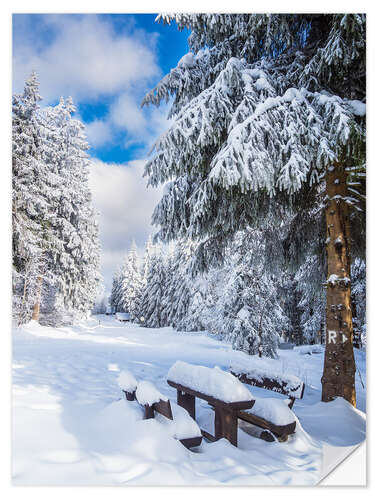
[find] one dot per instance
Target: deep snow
(210, 381)
(71, 425)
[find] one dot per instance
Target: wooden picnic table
(226, 414)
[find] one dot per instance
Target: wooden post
(130, 396)
(149, 412)
(226, 425)
(339, 365)
(186, 401)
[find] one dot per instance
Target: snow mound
(147, 393)
(336, 423)
(182, 426)
(210, 381)
(310, 349)
(127, 381)
(260, 368)
(33, 325)
(274, 410)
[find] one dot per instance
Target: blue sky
(37, 39)
(107, 63)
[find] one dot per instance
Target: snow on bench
(128, 384)
(212, 382)
(126, 381)
(273, 415)
(267, 374)
(224, 393)
(147, 394)
(274, 410)
(182, 427)
(178, 422)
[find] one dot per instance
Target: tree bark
(339, 365)
(36, 309)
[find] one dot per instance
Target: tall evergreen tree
(266, 108)
(248, 308)
(153, 305)
(115, 297)
(179, 289)
(54, 226)
(32, 204)
(74, 222)
(131, 284)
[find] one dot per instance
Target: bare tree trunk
(36, 309)
(339, 365)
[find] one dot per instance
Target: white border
(345, 473)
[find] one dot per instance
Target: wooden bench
(292, 390)
(226, 414)
(163, 408)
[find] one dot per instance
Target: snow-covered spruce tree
(32, 203)
(289, 299)
(309, 279)
(170, 282)
(184, 296)
(76, 264)
(179, 291)
(116, 296)
(131, 284)
(212, 315)
(359, 301)
(195, 317)
(54, 229)
(249, 308)
(153, 305)
(146, 259)
(265, 107)
(191, 292)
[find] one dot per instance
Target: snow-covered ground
(71, 425)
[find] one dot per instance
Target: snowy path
(71, 427)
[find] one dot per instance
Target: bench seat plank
(279, 430)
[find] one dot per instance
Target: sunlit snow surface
(71, 425)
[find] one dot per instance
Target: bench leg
(186, 401)
(226, 425)
(291, 402)
(130, 396)
(149, 412)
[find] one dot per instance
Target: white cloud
(137, 125)
(86, 58)
(98, 133)
(126, 113)
(125, 204)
